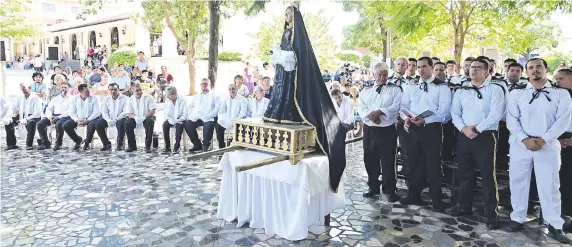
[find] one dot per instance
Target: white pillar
(3, 80)
(142, 42)
(169, 43)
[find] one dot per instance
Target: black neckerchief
(537, 93)
(378, 88)
(479, 95)
(423, 86)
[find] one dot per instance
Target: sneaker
(166, 151)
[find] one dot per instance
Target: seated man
(344, 108)
(113, 115)
(84, 111)
(175, 115)
(202, 111)
(257, 105)
(140, 111)
(58, 108)
(27, 111)
(232, 108)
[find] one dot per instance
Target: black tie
(378, 89)
(479, 95)
(537, 92)
(423, 86)
(512, 86)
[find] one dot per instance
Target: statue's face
(289, 15)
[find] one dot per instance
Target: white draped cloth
(283, 199)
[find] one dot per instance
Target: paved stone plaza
(119, 199)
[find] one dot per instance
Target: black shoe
(86, 146)
(105, 148)
(195, 148)
(120, 147)
(57, 147)
(493, 224)
(515, 226)
(567, 227)
(148, 150)
(392, 197)
(371, 193)
(11, 147)
(77, 145)
(44, 147)
(130, 149)
(205, 148)
(411, 201)
(558, 235)
(39, 141)
(29, 147)
(165, 151)
(458, 212)
(176, 150)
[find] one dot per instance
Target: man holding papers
(425, 106)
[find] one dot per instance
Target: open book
(405, 114)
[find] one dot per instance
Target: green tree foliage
(13, 24)
(122, 57)
(348, 57)
(270, 34)
(524, 39)
(555, 59)
(230, 56)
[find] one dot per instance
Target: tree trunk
(383, 42)
(191, 62)
(214, 11)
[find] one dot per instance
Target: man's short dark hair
(82, 87)
(511, 60)
(264, 64)
(536, 59)
(484, 62)
(428, 59)
(492, 61)
(112, 85)
(336, 92)
(57, 67)
(102, 69)
(483, 57)
(436, 58)
(144, 71)
(451, 62)
(140, 52)
(75, 71)
(567, 72)
(469, 59)
(236, 77)
(440, 63)
(37, 74)
(412, 59)
(515, 65)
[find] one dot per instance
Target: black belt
(565, 135)
(489, 131)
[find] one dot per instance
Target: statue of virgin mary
(300, 95)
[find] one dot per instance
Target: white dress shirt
(437, 99)
(203, 106)
(388, 101)
(175, 112)
(140, 106)
(87, 109)
(345, 110)
(114, 109)
(484, 112)
(529, 116)
(459, 80)
(60, 105)
(257, 108)
(232, 109)
(30, 107)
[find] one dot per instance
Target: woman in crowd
(266, 86)
(247, 78)
(55, 89)
(242, 89)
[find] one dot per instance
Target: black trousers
(208, 131)
(30, 127)
(424, 160)
(449, 141)
(220, 135)
(478, 153)
(380, 157)
(42, 127)
(402, 143)
(566, 180)
(148, 124)
(178, 134)
(11, 132)
(101, 127)
(69, 128)
(503, 146)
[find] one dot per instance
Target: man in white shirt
(113, 115)
(202, 111)
(175, 115)
(58, 108)
(140, 111)
(344, 108)
(379, 105)
(27, 111)
(84, 111)
(257, 105)
(232, 108)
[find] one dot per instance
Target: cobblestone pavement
(118, 199)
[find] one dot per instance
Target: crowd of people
(476, 119)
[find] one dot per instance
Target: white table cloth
(283, 199)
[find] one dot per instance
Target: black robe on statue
(301, 96)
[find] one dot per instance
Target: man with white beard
(202, 111)
(84, 111)
(113, 115)
(27, 112)
(58, 108)
(175, 115)
(257, 105)
(140, 111)
(232, 108)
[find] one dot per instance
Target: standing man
(344, 109)
(451, 66)
(175, 115)
(140, 111)
(477, 108)
(439, 71)
(564, 79)
(506, 63)
(411, 68)
(514, 76)
(202, 111)
(233, 108)
(428, 104)
(460, 79)
(379, 106)
(84, 111)
(401, 78)
(538, 114)
(113, 115)
(58, 108)
(27, 112)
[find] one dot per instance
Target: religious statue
(300, 96)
